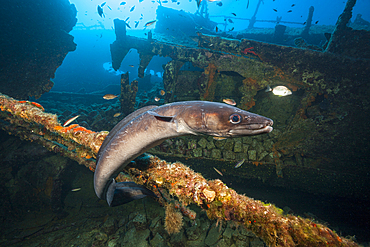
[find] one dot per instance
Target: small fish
(157, 99)
(117, 114)
(219, 4)
(165, 1)
(109, 96)
(231, 29)
(293, 5)
(100, 11)
(150, 23)
(162, 92)
(289, 11)
(239, 164)
(198, 3)
(122, 3)
(77, 189)
(218, 171)
(132, 9)
(216, 29)
(109, 7)
(316, 22)
(233, 14)
(127, 18)
(304, 23)
(194, 38)
(136, 24)
(128, 25)
(279, 90)
(178, 3)
(231, 21)
(229, 101)
(131, 65)
(219, 138)
(103, 4)
(248, 4)
(70, 120)
(274, 10)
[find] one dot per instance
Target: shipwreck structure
(314, 140)
(35, 42)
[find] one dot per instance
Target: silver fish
(279, 90)
(240, 163)
(218, 171)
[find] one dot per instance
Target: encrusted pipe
(223, 203)
(29, 121)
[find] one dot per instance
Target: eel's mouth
(250, 132)
(253, 129)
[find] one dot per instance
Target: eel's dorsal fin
(160, 117)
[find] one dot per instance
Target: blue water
(88, 69)
(85, 69)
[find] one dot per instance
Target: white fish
(279, 90)
(70, 120)
(77, 189)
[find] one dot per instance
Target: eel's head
(223, 120)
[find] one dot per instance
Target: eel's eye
(235, 118)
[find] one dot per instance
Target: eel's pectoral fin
(160, 117)
(125, 192)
